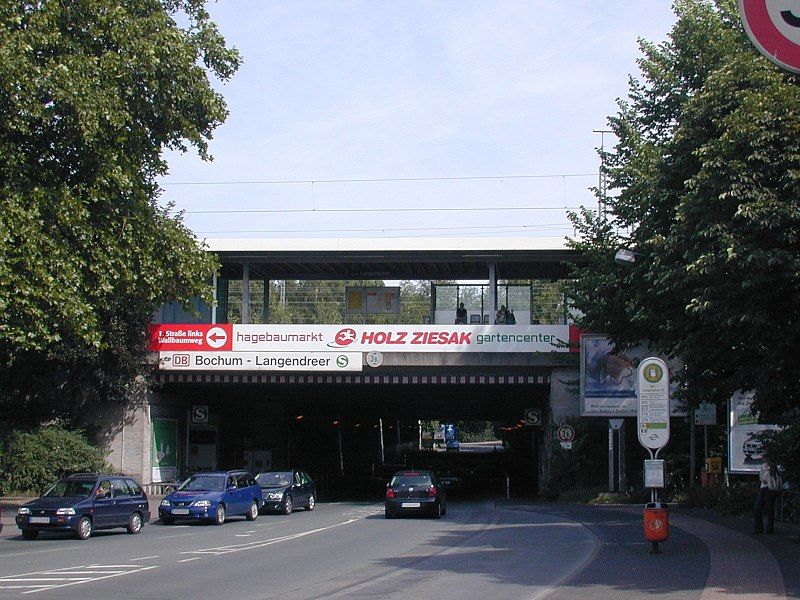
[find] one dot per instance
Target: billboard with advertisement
(745, 452)
(608, 378)
(362, 338)
(372, 300)
(164, 451)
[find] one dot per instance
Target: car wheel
(388, 514)
(437, 512)
(30, 534)
(219, 515)
(287, 505)
(167, 520)
(253, 514)
(84, 531)
(312, 502)
(135, 523)
(444, 510)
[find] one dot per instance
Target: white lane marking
(166, 537)
(250, 531)
(89, 572)
(190, 559)
(53, 587)
(244, 535)
(43, 551)
(56, 578)
(18, 579)
(216, 551)
(22, 587)
(144, 558)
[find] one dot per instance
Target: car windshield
(203, 483)
(410, 480)
(276, 479)
(71, 488)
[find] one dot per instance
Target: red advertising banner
(197, 338)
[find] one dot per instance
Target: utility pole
(601, 184)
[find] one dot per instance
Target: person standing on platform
(769, 484)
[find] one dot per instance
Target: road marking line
(144, 558)
(244, 535)
(215, 551)
(84, 573)
(177, 535)
(24, 587)
(140, 569)
(44, 551)
(19, 579)
(190, 559)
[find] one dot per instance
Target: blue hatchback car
(213, 496)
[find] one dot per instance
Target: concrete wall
(565, 402)
(126, 429)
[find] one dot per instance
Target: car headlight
(165, 503)
(275, 495)
(65, 511)
(202, 503)
(23, 511)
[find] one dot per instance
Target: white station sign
(260, 361)
(653, 414)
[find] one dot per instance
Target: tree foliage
(91, 93)
(706, 182)
(32, 462)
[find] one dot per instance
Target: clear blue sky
(342, 90)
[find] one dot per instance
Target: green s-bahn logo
(342, 361)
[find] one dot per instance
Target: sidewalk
(782, 546)
(743, 565)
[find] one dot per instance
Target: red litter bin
(656, 521)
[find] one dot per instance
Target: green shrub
(584, 466)
(734, 499)
(31, 462)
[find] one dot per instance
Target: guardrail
(160, 489)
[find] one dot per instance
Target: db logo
(656, 525)
(180, 360)
(342, 361)
(345, 337)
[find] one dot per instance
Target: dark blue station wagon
(83, 503)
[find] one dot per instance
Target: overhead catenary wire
(548, 227)
(374, 210)
(379, 180)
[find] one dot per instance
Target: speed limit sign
(200, 414)
(566, 433)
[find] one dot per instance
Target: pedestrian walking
(769, 485)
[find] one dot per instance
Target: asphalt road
(345, 550)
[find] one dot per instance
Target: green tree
(707, 184)
(91, 94)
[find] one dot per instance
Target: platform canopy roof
(395, 258)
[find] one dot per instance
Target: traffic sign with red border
(566, 433)
(774, 28)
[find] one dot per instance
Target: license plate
(410, 505)
(39, 520)
(180, 511)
